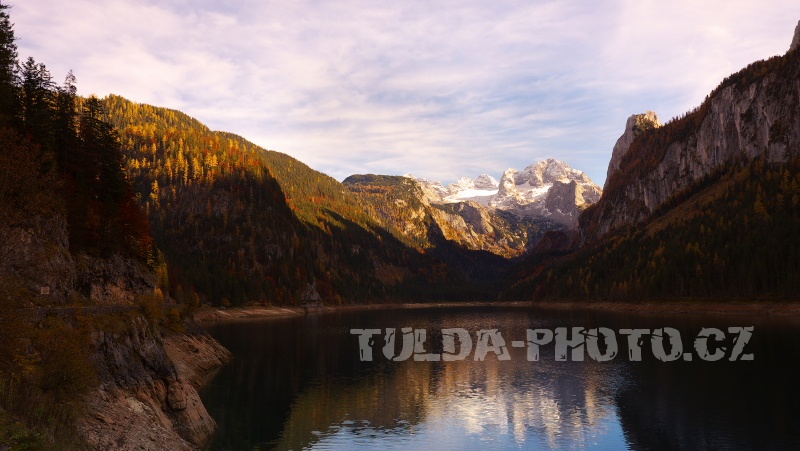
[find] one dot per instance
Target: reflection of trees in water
(299, 376)
(395, 399)
(556, 403)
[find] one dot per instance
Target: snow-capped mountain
(549, 188)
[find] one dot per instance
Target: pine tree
(9, 103)
(66, 122)
(100, 149)
(37, 98)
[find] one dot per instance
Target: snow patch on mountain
(548, 188)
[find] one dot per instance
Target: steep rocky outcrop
(796, 40)
(635, 125)
(147, 398)
(752, 114)
(565, 201)
(549, 171)
(475, 216)
(432, 191)
(114, 280)
(463, 184)
(39, 256)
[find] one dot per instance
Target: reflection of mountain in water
(297, 383)
(554, 404)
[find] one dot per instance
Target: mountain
(548, 189)
(752, 115)
(705, 206)
(403, 204)
(241, 224)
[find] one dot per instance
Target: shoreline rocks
(148, 394)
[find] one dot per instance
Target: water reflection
(298, 384)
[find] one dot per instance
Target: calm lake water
(298, 383)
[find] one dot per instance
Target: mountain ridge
(525, 193)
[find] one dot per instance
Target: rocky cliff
(753, 114)
(635, 125)
(476, 227)
(147, 398)
(147, 393)
(565, 201)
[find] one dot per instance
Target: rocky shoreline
(211, 315)
(148, 394)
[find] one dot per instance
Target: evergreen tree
(66, 122)
(37, 98)
(8, 69)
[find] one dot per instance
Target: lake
(299, 382)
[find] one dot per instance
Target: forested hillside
(704, 207)
(736, 238)
(241, 224)
(396, 202)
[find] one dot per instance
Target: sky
(438, 89)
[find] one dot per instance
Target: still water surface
(298, 383)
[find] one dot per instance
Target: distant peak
(486, 181)
(464, 183)
(796, 39)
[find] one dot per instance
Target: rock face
(635, 125)
(563, 200)
(508, 184)
(148, 396)
(796, 40)
(475, 216)
(477, 227)
(433, 191)
(485, 181)
(39, 255)
(113, 280)
(145, 399)
(752, 115)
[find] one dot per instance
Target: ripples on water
(297, 383)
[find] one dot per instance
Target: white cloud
(438, 89)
